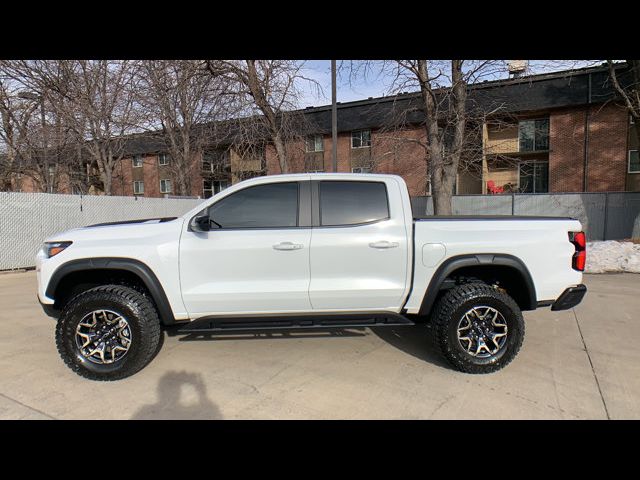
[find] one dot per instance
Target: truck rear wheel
(478, 328)
(108, 332)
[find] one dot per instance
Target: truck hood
(129, 222)
(122, 232)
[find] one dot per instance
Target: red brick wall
(390, 153)
(27, 184)
(122, 182)
(125, 175)
(196, 176)
(607, 161)
(395, 154)
(566, 155)
(295, 157)
(607, 152)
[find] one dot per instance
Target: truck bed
(540, 243)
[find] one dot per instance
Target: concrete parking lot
(577, 364)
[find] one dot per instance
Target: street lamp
(26, 95)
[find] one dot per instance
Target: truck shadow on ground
(262, 335)
(171, 404)
(418, 341)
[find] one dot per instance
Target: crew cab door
(255, 258)
(359, 246)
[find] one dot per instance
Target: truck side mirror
(202, 223)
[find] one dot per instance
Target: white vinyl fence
(26, 219)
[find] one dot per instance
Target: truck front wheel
(108, 332)
(478, 328)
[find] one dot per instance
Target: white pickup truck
(306, 251)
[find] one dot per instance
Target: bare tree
(629, 90)
(95, 100)
(269, 92)
(451, 123)
(34, 135)
(15, 118)
(184, 100)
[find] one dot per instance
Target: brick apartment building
(557, 132)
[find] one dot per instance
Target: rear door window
(352, 203)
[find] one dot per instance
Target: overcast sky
(377, 84)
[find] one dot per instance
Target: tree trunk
(281, 153)
(183, 183)
(106, 182)
(441, 196)
(443, 165)
(105, 176)
(441, 183)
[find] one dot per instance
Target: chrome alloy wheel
(103, 336)
(482, 331)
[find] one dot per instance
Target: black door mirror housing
(203, 223)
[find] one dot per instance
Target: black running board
(295, 321)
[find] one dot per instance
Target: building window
(634, 162)
(361, 170)
(165, 186)
(534, 135)
(361, 138)
(215, 161)
(138, 188)
(211, 187)
(314, 143)
(137, 160)
(533, 177)
(163, 159)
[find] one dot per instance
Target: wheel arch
(119, 267)
(522, 288)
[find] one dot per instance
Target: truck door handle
(287, 246)
(384, 244)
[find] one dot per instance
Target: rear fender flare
(452, 264)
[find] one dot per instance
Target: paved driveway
(582, 363)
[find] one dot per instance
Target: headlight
(51, 249)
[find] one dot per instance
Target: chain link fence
(26, 219)
(604, 216)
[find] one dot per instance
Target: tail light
(579, 241)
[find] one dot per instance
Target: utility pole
(45, 142)
(334, 118)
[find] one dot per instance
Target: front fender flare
(136, 267)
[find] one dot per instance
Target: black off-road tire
(450, 309)
(139, 312)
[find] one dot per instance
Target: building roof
(567, 88)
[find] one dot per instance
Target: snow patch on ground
(612, 256)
